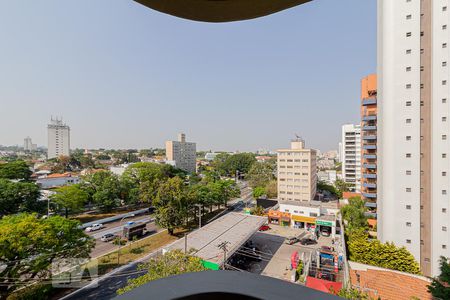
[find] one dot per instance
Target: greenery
(272, 189)
(70, 198)
(34, 291)
(29, 245)
(19, 197)
(440, 286)
(227, 164)
(373, 252)
(300, 268)
(261, 173)
(171, 263)
(258, 211)
(15, 170)
(323, 186)
(258, 192)
(341, 187)
(353, 294)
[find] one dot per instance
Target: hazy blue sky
(125, 76)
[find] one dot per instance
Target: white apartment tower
(28, 145)
(58, 134)
(182, 154)
(297, 172)
(414, 128)
(351, 155)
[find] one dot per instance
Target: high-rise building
(351, 156)
(297, 172)
(413, 128)
(182, 154)
(58, 134)
(28, 145)
(369, 143)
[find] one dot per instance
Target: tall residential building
(182, 154)
(369, 143)
(28, 145)
(351, 156)
(413, 128)
(297, 172)
(58, 134)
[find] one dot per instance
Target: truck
(134, 230)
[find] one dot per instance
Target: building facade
(58, 134)
(369, 143)
(297, 172)
(351, 156)
(28, 145)
(182, 154)
(413, 128)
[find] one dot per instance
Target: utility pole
(185, 243)
(199, 215)
(223, 246)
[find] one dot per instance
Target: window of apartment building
(408, 172)
(444, 173)
(408, 137)
(408, 103)
(289, 160)
(408, 241)
(422, 68)
(408, 121)
(444, 192)
(408, 224)
(444, 8)
(408, 17)
(408, 86)
(408, 207)
(408, 190)
(444, 246)
(444, 137)
(444, 45)
(444, 155)
(444, 27)
(444, 228)
(421, 102)
(421, 86)
(408, 155)
(444, 63)
(444, 210)
(444, 100)
(421, 34)
(422, 51)
(444, 82)
(311, 214)
(444, 119)
(408, 34)
(408, 51)
(286, 210)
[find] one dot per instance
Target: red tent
(323, 285)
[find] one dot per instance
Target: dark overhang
(220, 10)
(220, 285)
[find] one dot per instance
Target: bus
(134, 230)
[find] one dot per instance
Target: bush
(300, 268)
(35, 292)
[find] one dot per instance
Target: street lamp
(120, 237)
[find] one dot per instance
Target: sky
(124, 76)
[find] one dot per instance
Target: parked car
(108, 237)
(325, 231)
(264, 228)
(308, 241)
(94, 227)
(291, 240)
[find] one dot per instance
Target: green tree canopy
(272, 189)
(440, 286)
(354, 213)
(261, 173)
(227, 164)
(258, 192)
(29, 245)
(19, 197)
(171, 263)
(71, 198)
(17, 169)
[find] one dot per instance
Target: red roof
(323, 285)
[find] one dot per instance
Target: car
(130, 223)
(307, 241)
(94, 227)
(108, 237)
(264, 228)
(291, 240)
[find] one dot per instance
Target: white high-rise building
(182, 154)
(414, 128)
(28, 145)
(351, 156)
(58, 134)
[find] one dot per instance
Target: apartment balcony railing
(370, 185)
(369, 137)
(369, 127)
(369, 147)
(370, 166)
(369, 118)
(369, 101)
(370, 156)
(371, 215)
(370, 195)
(371, 204)
(369, 176)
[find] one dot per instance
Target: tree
(341, 187)
(171, 263)
(323, 186)
(353, 294)
(272, 189)
(104, 189)
(29, 245)
(19, 197)
(440, 286)
(227, 164)
(258, 192)
(354, 213)
(15, 170)
(260, 174)
(258, 211)
(172, 204)
(71, 198)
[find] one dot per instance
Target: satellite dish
(220, 10)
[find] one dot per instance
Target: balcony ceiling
(220, 10)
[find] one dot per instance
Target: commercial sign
(324, 223)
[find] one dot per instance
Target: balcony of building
(369, 101)
(369, 147)
(370, 204)
(369, 185)
(370, 195)
(370, 137)
(370, 215)
(369, 166)
(367, 118)
(369, 127)
(369, 175)
(369, 156)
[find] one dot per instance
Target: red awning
(323, 285)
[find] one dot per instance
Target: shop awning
(304, 219)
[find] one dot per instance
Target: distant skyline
(124, 76)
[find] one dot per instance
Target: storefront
(326, 225)
(279, 218)
(303, 222)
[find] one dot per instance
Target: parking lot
(266, 253)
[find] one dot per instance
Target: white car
(94, 227)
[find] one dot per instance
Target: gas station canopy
(220, 10)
